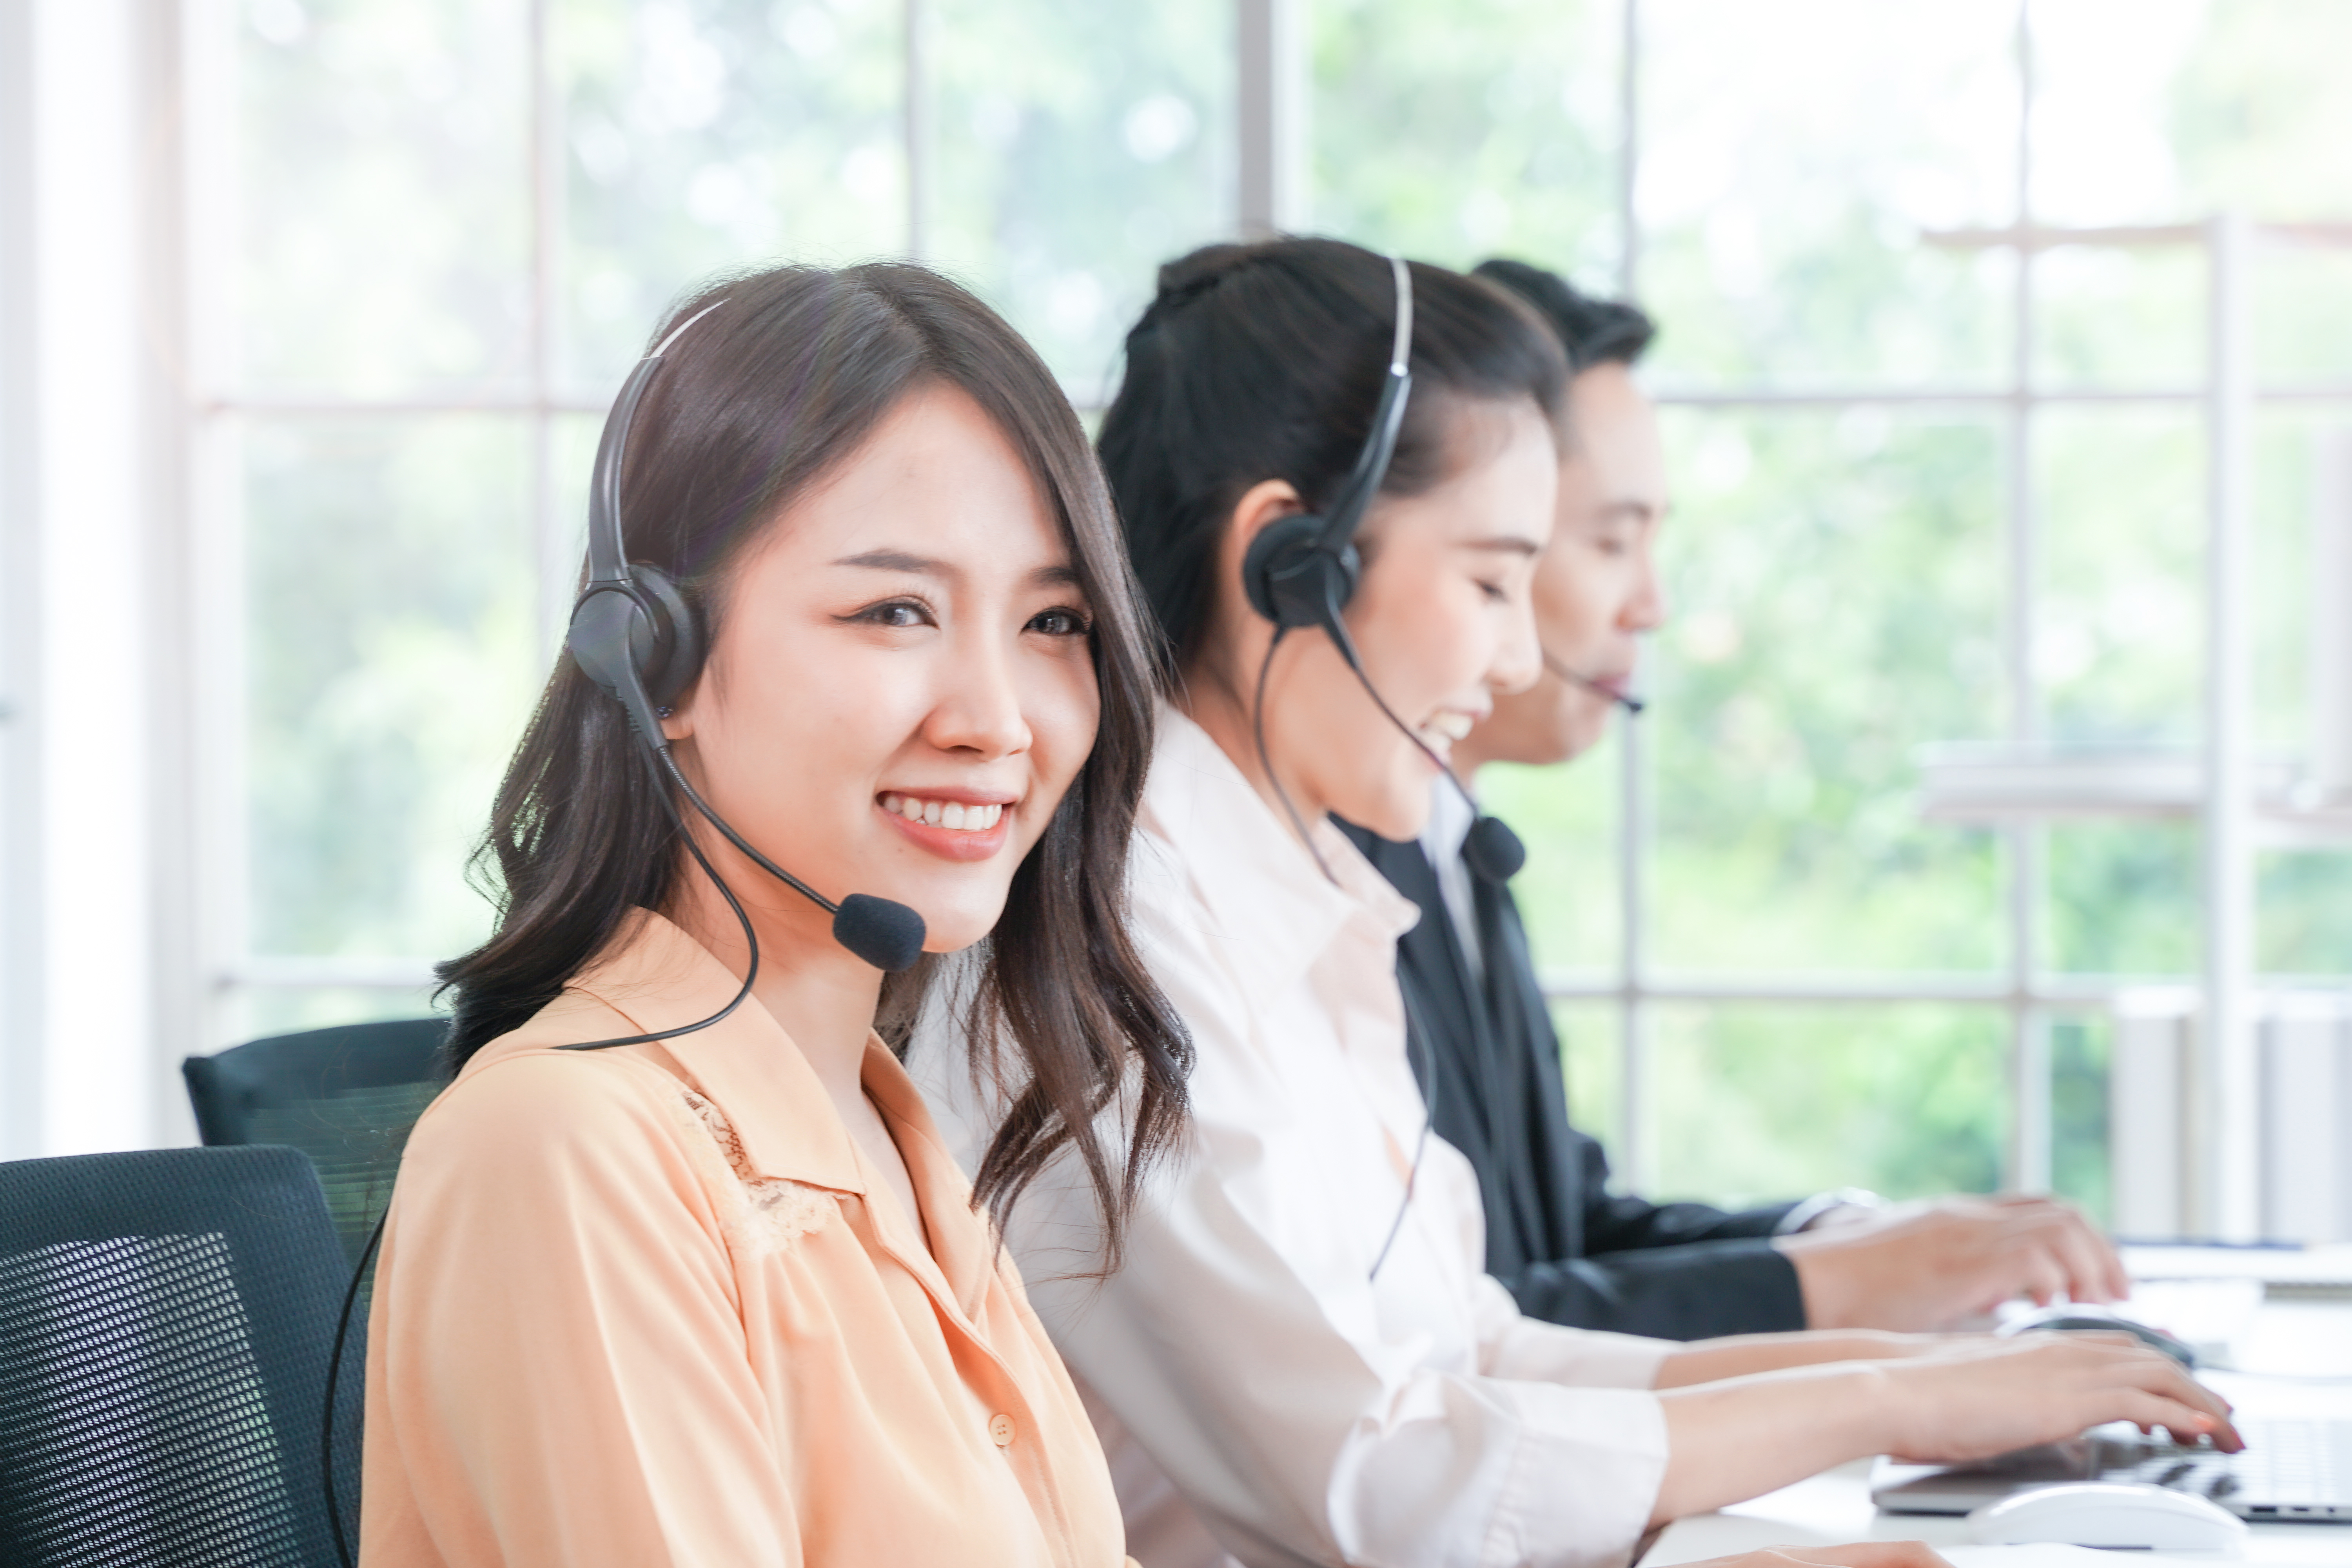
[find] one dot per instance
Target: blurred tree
(1467, 130)
(1838, 571)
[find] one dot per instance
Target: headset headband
(1349, 506)
(608, 556)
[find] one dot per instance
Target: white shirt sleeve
(1299, 1442)
(1514, 1346)
(1308, 1416)
(1304, 1410)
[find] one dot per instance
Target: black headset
(633, 633)
(1300, 571)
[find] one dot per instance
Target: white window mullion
(2228, 1193)
(1636, 1155)
(2030, 1140)
(104, 363)
(915, 89)
(552, 532)
(21, 926)
(216, 909)
(1273, 88)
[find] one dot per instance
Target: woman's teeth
(1449, 725)
(949, 813)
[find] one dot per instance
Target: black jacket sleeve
(1614, 1223)
(1669, 1270)
(1693, 1291)
(1488, 1062)
(1673, 1271)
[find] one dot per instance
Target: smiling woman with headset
(677, 1269)
(1335, 472)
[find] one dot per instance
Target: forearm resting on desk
(1732, 1441)
(1739, 1355)
(1856, 1554)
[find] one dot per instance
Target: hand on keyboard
(1976, 1398)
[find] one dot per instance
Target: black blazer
(1488, 1062)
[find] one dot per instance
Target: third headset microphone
(1632, 705)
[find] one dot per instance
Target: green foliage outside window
(1838, 576)
(1838, 573)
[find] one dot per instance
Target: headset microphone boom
(633, 633)
(1299, 574)
(1632, 704)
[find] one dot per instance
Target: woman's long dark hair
(750, 409)
(1263, 362)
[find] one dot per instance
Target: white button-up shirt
(1451, 817)
(1260, 1392)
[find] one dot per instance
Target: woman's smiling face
(1441, 617)
(902, 684)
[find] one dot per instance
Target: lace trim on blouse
(775, 1209)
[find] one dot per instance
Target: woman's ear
(678, 714)
(1262, 505)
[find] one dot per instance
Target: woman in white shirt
(1301, 1360)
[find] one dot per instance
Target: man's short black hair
(1594, 332)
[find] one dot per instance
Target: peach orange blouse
(650, 1306)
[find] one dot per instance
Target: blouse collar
(1261, 888)
(656, 978)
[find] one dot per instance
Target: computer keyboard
(2290, 1469)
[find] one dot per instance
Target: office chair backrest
(165, 1318)
(346, 1097)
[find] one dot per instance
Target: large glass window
(453, 226)
(1836, 592)
(1077, 146)
(1943, 476)
(1452, 132)
(1943, 472)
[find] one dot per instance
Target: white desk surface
(2329, 1265)
(2313, 1338)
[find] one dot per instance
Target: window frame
(2221, 1186)
(183, 870)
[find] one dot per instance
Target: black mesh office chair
(166, 1319)
(346, 1097)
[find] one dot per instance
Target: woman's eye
(1495, 592)
(1060, 624)
(895, 613)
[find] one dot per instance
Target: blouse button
(1000, 1430)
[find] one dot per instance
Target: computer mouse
(2109, 1514)
(2077, 1316)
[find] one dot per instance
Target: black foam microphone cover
(890, 936)
(1492, 851)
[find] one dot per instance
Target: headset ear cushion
(1275, 554)
(668, 652)
(606, 623)
(1295, 580)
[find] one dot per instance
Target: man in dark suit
(1569, 1249)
